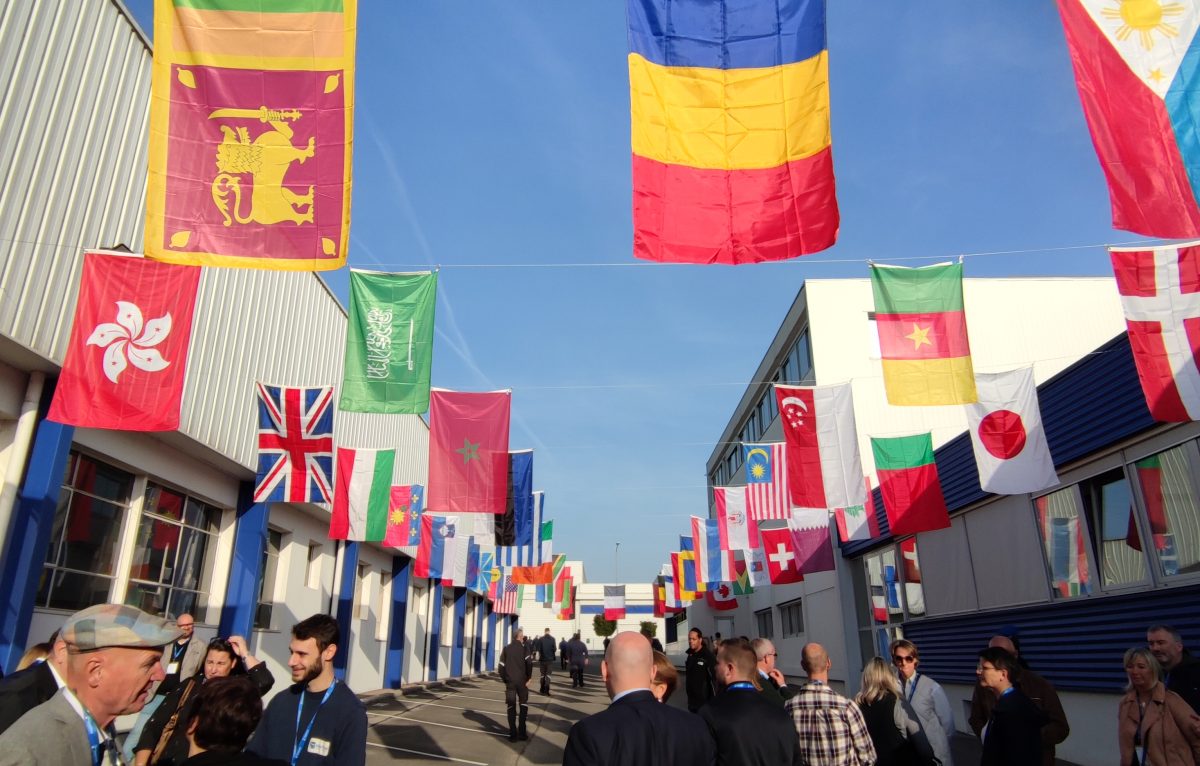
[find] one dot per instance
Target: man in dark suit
(636, 729)
(28, 688)
(749, 728)
(1012, 736)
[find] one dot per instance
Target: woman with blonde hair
(892, 724)
(1153, 724)
(666, 677)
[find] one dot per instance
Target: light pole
(617, 564)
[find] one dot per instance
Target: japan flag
(1007, 435)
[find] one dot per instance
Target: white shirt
(627, 692)
(108, 747)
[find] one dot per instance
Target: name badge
(173, 668)
(318, 746)
(1137, 754)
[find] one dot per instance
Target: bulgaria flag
(908, 478)
(1007, 435)
(363, 495)
(858, 522)
(468, 451)
(923, 334)
(823, 464)
(737, 531)
(1135, 67)
(614, 602)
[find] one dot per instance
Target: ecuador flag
(730, 130)
(251, 120)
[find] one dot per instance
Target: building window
(884, 587)
(764, 623)
(362, 592)
(385, 606)
(910, 565)
(764, 416)
(172, 555)
(1109, 504)
(1172, 511)
(81, 560)
(1062, 531)
(312, 569)
(804, 359)
(264, 614)
(791, 615)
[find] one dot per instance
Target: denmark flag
(1007, 435)
(1160, 292)
(125, 362)
(783, 565)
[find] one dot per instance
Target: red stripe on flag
(1154, 370)
(938, 335)
(912, 499)
(798, 411)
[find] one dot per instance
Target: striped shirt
(831, 728)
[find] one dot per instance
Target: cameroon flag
(923, 334)
(908, 479)
(251, 120)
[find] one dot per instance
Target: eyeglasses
(981, 667)
(185, 624)
(772, 654)
(902, 659)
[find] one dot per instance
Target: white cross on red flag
(783, 565)
(1160, 293)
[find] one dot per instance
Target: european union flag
(757, 458)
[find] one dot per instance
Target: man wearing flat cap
(113, 656)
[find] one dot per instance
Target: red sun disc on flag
(1002, 434)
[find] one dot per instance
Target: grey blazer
(52, 734)
(935, 715)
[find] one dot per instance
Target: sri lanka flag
(729, 105)
(1136, 65)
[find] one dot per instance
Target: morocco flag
(363, 495)
(923, 334)
(1007, 436)
(125, 362)
(908, 478)
(823, 464)
(468, 451)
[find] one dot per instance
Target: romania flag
(251, 120)
(729, 105)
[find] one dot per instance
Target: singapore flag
(1007, 435)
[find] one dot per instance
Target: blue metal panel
(435, 628)
(345, 608)
(29, 535)
(460, 624)
(477, 660)
(393, 668)
(489, 645)
(1077, 644)
(599, 609)
(245, 571)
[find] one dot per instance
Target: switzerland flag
(127, 355)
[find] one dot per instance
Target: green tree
(602, 627)
(649, 628)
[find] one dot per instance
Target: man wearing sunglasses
(926, 697)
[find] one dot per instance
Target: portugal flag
(125, 362)
(908, 479)
(468, 451)
(923, 334)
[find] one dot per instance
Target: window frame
(262, 581)
(796, 605)
(768, 615)
(1151, 448)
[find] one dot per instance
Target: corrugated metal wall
(74, 100)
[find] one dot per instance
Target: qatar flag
(1007, 435)
(824, 469)
(125, 361)
(783, 565)
(810, 533)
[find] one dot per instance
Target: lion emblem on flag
(264, 163)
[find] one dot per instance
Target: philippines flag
(434, 555)
(1136, 68)
(766, 481)
(295, 445)
(1160, 293)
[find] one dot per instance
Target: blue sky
(492, 140)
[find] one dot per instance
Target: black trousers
(547, 667)
(514, 692)
(577, 675)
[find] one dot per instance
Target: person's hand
(1195, 722)
(777, 677)
(238, 644)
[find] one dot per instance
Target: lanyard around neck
(302, 741)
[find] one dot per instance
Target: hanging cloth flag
(295, 445)
(671, 588)
(468, 451)
(1007, 435)
(533, 544)
(766, 481)
(1160, 294)
(783, 565)
(404, 516)
(858, 522)
(251, 121)
(127, 356)
(614, 602)
(738, 532)
(549, 592)
(542, 574)
(389, 343)
(810, 533)
(908, 479)
(756, 568)
(731, 142)
(686, 581)
(454, 565)
(561, 582)
(432, 560)
(546, 536)
(487, 563)
(714, 563)
(721, 598)
(567, 610)
(473, 559)
(741, 575)
(923, 334)
(363, 496)
(660, 602)
(1134, 76)
(823, 466)
(507, 603)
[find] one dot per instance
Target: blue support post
(477, 662)
(460, 625)
(393, 668)
(490, 649)
(345, 610)
(29, 534)
(435, 628)
(245, 571)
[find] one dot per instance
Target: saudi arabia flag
(360, 502)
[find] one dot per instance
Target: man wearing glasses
(926, 697)
(181, 659)
(770, 678)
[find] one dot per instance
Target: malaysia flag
(766, 481)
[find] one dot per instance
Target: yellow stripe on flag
(915, 382)
(729, 119)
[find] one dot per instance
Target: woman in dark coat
(892, 724)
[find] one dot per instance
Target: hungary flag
(363, 494)
(908, 479)
(923, 334)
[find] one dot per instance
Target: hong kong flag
(125, 362)
(783, 565)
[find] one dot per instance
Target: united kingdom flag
(295, 445)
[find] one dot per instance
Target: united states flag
(507, 603)
(295, 444)
(766, 481)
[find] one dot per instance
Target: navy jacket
(638, 730)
